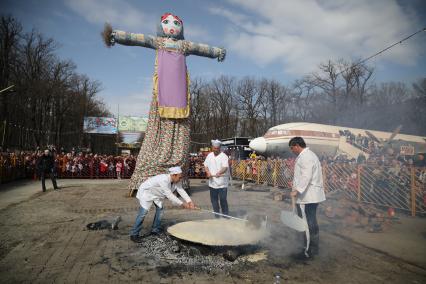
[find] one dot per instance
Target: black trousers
(311, 218)
(219, 195)
(43, 180)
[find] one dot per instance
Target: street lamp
(5, 89)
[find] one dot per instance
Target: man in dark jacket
(46, 166)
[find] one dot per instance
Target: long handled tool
(220, 214)
(292, 220)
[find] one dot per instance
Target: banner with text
(100, 125)
(132, 124)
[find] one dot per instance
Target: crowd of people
(72, 164)
(94, 165)
(196, 168)
(382, 174)
(78, 164)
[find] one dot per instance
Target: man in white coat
(309, 189)
(217, 170)
(153, 191)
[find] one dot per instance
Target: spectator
(118, 168)
(361, 158)
(420, 161)
(103, 166)
(111, 169)
(45, 166)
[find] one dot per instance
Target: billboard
(130, 137)
(132, 124)
(100, 125)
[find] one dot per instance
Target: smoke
(386, 118)
(282, 242)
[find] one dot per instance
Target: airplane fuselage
(326, 139)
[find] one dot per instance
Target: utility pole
(117, 135)
(4, 133)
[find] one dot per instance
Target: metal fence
(399, 187)
(14, 168)
(94, 172)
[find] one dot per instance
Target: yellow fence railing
(12, 168)
(399, 187)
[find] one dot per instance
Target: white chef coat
(215, 164)
(158, 187)
(307, 178)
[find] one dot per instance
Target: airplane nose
(258, 144)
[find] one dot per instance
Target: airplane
(330, 140)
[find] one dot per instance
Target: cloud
(123, 15)
(194, 33)
(118, 13)
(301, 34)
(131, 103)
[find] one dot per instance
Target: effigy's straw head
(170, 26)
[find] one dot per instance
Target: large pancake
(218, 232)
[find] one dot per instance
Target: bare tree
(222, 100)
(10, 32)
(249, 96)
(356, 78)
(391, 93)
(420, 88)
(303, 97)
(327, 80)
(50, 98)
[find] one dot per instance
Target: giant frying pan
(218, 232)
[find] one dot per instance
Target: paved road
(18, 191)
(43, 240)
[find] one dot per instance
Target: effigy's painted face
(171, 25)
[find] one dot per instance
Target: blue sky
(275, 39)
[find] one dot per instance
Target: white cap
(216, 143)
(175, 170)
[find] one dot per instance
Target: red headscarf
(168, 14)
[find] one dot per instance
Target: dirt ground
(43, 239)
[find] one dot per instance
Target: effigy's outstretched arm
(111, 37)
(205, 50)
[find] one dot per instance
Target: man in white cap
(154, 190)
(217, 170)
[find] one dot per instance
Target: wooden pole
(413, 192)
(244, 174)
(324, 177)
(275, 172)
(258, 162)
(4, 133)
(359, 182)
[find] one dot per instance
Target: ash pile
(164, 249)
